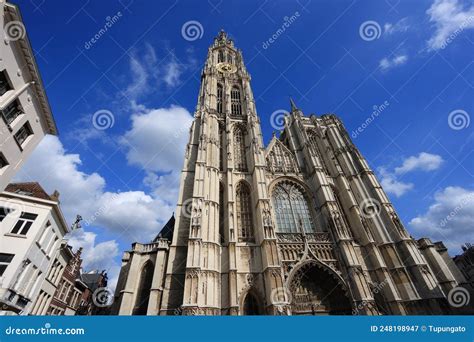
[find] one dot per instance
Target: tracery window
(280, 160)
(244, 212)
(236, 104)
(220, 56)
(291, 209)
(240, 160)
(220, 96)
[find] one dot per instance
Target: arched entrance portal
(250, 306)
(315, 291)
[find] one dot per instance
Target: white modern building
(24, 109)
(32, 228)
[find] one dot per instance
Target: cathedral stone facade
(301, 227)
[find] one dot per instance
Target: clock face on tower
(226, 68)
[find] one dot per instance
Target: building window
(11, 112)
(4, 84)
(236, 101)
(222, 148)
(220, 56)
(24, 223)
(244, 212)
(220, 97)
(23, 192)
(3, 161)
(291, 209)
(5, 260)
(23, 133)
(240, 160)
(4, 212)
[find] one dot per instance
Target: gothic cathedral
(301, 227)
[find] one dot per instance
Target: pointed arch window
(291, 209)
(240, 160)
(236, 103)
(220, 98)
(222, 148)
(220, 56)
(244, 212)
(143, 294)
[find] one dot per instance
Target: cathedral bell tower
(223, 256)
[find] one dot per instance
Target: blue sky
(409, 62)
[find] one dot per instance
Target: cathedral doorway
(250, 306)
(315, 291)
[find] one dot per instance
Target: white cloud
(388, 63)
(450, 18)
(84, 194)
(390, 179)
(150, 74)
(96, 256)
(55, 169)
(424, 161)
(400, 26)
(450, 218)
(157, 139)
(166, 186)
(144, 71)
(392, 185)
(172, 73)
(129, 215)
